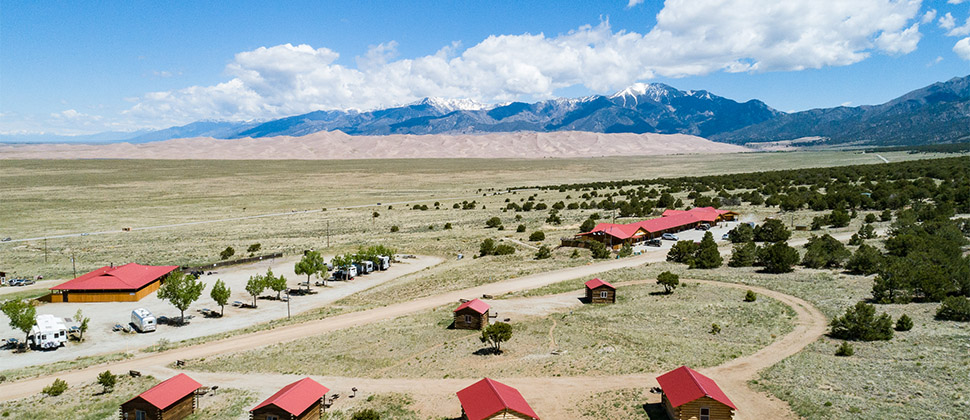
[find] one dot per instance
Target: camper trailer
(368, 266)
(345, 273)
(48, 333)
(385, 262)
(143, 320)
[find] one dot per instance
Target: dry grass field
(911, 375)
(643, 332)
(89, 402)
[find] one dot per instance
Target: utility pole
(45, 250)
(328, 233)
(288, 300)
(73, 264)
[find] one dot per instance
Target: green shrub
(772, 230)
(682, 252)
(395, 228)
(56, 388)
(107, 380)
(543, 253)
(715, 329)
(954, 308)
(575, 254)
(669, 281)
(537, 236)
(520, 229)
(504, 249)
(844, 350)
(599, 250)
(870, 218)
(861, 323)
(625, 251)
(487, 247)
(741, 233)
(750, 296)
(743, 255)
(226, 253)
(904, 323)
(494, 222)
(448, 226)
(866, 260)
(366, 414)
(824, 251)
(777, 257)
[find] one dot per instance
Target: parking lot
(689, 235)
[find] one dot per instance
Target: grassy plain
(643, 332)
(89, 402)
(912, 374)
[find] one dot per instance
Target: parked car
(726, 236)
(703, 226)
(653, 242)
(670, 237)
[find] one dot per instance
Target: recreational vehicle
(143, 320)
(385, 262)
(49, 332)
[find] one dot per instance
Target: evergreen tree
(682, 252)
(777, 257)
(861, 323)
(866, 260)
(599, 251)
(707, 255)
(741, 233)
(824, 251)
(743, 255)
(772, 230)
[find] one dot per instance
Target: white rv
(143, 320)
(49, 332)
(385, 262)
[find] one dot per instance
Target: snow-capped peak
(449, 105)
(633, 93)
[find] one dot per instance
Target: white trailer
(143, 320)
(385, 262)
(49, 332)
(368, 266)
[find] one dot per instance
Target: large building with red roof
(124, 283)
(173, 399)
(471, 315)
(301, 400)
(617, 235)
(690, 395)
(492, 400)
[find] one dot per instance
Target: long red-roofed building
(173, 399)
(490, 400)
(471, 315)
(301, 400)
(125, 283)
(690, 395)
(617, 235)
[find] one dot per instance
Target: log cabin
(126, 283)
(301, 400)
(471, 315)
(599, 291)
(491, 400)
(688, 395)
(173, 399)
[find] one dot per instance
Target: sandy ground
(337, 145)
(100, 339)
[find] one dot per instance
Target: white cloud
(956, 1)
(633, 3)
(947, 21)
(74, 115)
(962, 48)
(935, 61)
(928, 16)
(691, 37)
(960, 30)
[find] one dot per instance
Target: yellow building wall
(107, 296)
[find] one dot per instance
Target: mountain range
(939, 113)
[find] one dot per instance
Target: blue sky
(83, 67)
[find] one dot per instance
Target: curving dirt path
(551, 396)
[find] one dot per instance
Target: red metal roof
(594, 283)
(125, 277)
(169, 391)
(683, 385)
(295, 398)
(670, 219)
(475, 304)
(486, 398)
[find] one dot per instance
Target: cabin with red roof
(125, 283)
(688, 395)
(599, 291)
(491, 400)
(173, 399)
(616, 235)
(301, 400)
(471, 315)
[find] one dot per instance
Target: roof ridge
(691, 372)
(498, 394)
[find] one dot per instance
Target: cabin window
(604, 294)
(271, 417)
(140, 415)
(705, 413)
(468, 319)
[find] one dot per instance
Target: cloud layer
(691, 37)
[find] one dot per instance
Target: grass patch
(643, 332)
(391, 405)
(62, 366)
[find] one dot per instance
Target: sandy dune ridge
(338, 145)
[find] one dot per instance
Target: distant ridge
(939, 113)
